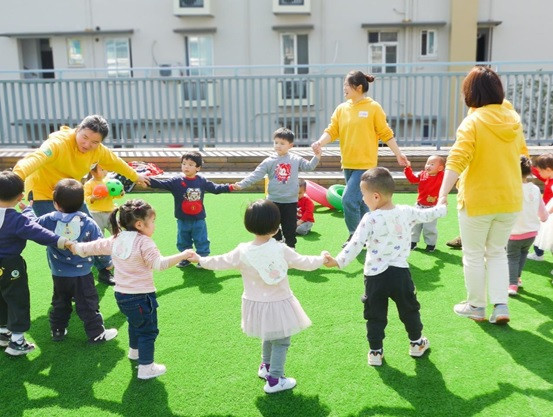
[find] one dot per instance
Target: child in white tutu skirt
(544, 239)
(270, 311)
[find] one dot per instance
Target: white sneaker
(133, 354)
(106, 335)
(535, 257)
(151, 370)
(262, 372)
(282, 385)
(417, 348)
(374, 357)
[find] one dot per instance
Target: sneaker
(455, 243)
(375, 357)
(500, 314)
(183, 264)
(430, 248)
(417, 348)
(21, 347)
(5, 339)
(513, 289)
(106, 276)
(199, 266)
(151, 371)
(535, 257)
(413, 245)
(106, 335)
(58, 334)
(347, 241)
(464, 309)
(263, 370)
(280, 384)
(520, 283)
(133, 354)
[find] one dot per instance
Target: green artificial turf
(471, 368)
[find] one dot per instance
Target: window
(382, 50)
(428, 43)
(199, 54)
(292, 6)
(74, 53)
(192, 7)
(294, 51)
(118, 57)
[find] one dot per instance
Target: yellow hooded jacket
(486, 154)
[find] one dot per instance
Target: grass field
(471, 368)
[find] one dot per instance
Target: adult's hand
(316, 146)
(143, 180)
(402, 160)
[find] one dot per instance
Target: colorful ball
(100, 191)
(115, 187)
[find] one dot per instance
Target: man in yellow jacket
(71, 153)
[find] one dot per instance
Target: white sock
(16, 337)
(417, 341)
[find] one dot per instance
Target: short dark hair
(11, 185)
(192, 156)
(262, 217)
(357, 78)
(96, 123)
(525, 165)
(284, 133)
(544, 161)
(482, 86)
(380, 180)
(302, 183)
(69, 195)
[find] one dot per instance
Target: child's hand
(328, 261)
(236, 187)
(143, 180)
(408, 163)
(22, 206)
(70, 245)
(191, 256)
(318, 151)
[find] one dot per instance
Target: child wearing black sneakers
(73, 279)
(15, 230)
(386, 231)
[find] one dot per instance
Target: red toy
(100, 191)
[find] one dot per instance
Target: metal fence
(242, 106)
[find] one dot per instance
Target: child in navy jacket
(15, 230)
(188, 191)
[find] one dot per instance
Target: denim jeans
(41, 207)
(141, 313)
(352, 199)
(192, 231)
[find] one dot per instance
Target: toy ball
(100, 191)
(115, 187)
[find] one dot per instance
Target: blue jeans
(352, 199)
(41, 207)
(141, 313)
(192, 231)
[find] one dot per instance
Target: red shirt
(548, 184)
(429, 186)
(306, 209)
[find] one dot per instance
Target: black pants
(84, 292)
(15, 304)
(394, 283)
(288, 222)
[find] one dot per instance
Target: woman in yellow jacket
(71, 153)
(486, 159)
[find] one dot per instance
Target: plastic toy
(317, 193)
(334, 196)
(100, 191)
(115, 187)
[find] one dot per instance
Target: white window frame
(75, 56)
(428, 41)
(121, 67)
(377, 67)
(196, 64)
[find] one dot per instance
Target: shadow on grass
(312, 236)
(204, 279)
(543, 305)
(427, 393)
(288, 403)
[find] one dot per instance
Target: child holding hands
(270, 311)
(135, 256)
(386, 231)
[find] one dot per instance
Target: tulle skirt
(544, 239)
(273, 320)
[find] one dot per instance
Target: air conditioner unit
(196, 93)
(295, 93)
(192, 7)
(292, 6)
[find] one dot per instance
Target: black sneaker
(430, 248)
(346, 242)
(21, 347)
(413, 245)
(183, 264)
(5, 339)
(106, 276)
(58, 334)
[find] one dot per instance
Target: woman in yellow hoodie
(486, 160)
(71, 153)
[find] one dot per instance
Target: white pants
(485, 257)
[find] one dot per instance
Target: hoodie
(486, 154)
(73, 226)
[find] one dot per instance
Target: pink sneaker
(513, 289)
